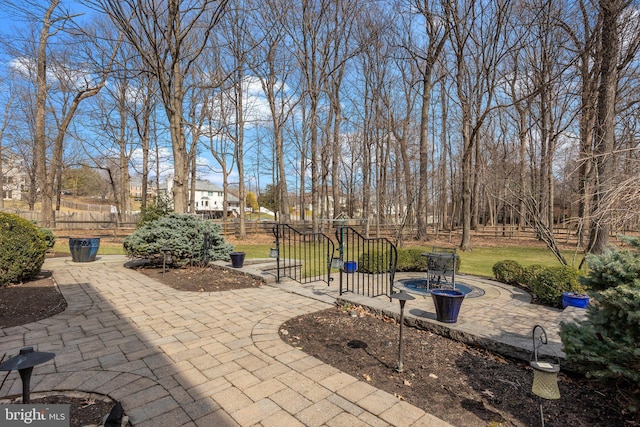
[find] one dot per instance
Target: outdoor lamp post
(403, 297)
(165, 251)
(545, 374)
(24, 363)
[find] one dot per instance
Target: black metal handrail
(302, 257)
(368, 264)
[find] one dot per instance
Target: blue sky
(13, 25)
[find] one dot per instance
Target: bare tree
(78, 83)
(479, 44)
(307, 28)
(271, 63)
(436, 33)
(142, 111)
(169, 37)
(611, 62)
(4, 150)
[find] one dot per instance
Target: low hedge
(507, 271)
(546, 283)
(550, 283)
(22, 249)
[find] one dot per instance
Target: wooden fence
(86, 207)
(108, 223)
(84, 220)
(564, 236)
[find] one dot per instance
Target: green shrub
(184, 235)
(529, 273)
(159, 207)
(507, 271)
(49, 237)
(549, 284)
(22, 249)
(374, 262)
(411, 259)
(605, 345)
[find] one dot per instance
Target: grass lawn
(106, 247)
(477, 262)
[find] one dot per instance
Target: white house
(209, 198)
(13, 179)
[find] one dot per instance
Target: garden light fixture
(24, 363)
(403, 297)
(545, 374)
(165, 251)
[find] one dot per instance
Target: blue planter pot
(575, 299)
(447, 302)
(84, 249)
(350, 266)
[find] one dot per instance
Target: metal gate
(368, 264)
(303, 257)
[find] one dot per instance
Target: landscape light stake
(24, 363)
(545, 374)
(165, 250)
(403, 297)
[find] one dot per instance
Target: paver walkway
(502, 319)
(196, 359)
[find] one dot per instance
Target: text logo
(34, 415)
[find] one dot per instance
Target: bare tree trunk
(144, 132)
(522, 137)
(467, 169)
(242, 191)
(169, 40)
(5, 122)
(423, 176)
(40, 142)
(123, 199)
(605, 121)
(444, 151)
(476, 198)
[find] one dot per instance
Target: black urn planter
(237, 259)
(84, 249)
(447, 302)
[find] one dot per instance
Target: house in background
(135, 189)
(13, 180)
(208, 200)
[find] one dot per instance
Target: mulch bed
(462, 385)
(30, 301)
(213, 278)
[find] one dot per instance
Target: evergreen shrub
(528, 273)
(159, 207)
(49, 237)
(184, 235)
(411, 259)
(374, 262)
(606, 345)
(22, 249)
(507, 271)
(550, 283)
